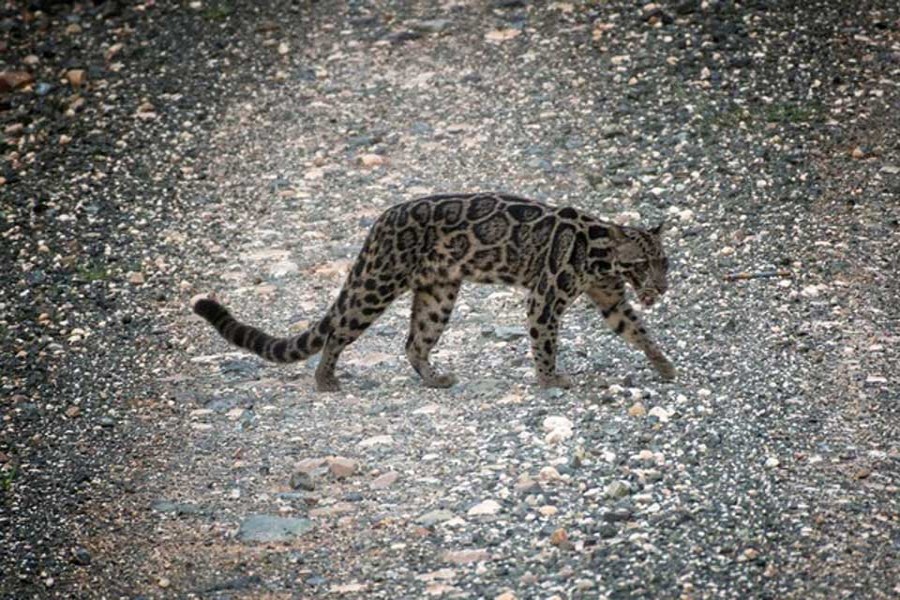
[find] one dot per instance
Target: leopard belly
(429, 246)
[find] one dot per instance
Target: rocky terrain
(156, 150)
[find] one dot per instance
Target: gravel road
(156, 150)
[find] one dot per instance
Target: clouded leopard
(431, 245)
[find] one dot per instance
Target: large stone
(266, 528)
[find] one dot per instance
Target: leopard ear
(659, 229)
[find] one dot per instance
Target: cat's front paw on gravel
(444, 380)
(555, 381)
(665, 369)
(327, 384)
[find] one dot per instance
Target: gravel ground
(245, 148)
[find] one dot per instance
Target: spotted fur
(431, 245)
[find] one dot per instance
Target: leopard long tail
(271, 348)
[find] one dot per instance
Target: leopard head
(639, 258)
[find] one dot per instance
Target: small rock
(332, 510)
(348, 588)
(812, 291)
(376, 440)
(557, 422)
(385, 480)
(13, 80)
(284, 268)
(73, 411)
(283, 48)
(660, 413)
(772, 462)
(858, 153)
(527, 485)
(617, 489)
(548, 510)
(608, 531)
(76, 77)
(431, 25)
(302, 481)
(136, 278)
(558, 435)
(371, 160)
(502, 35)
(488, 507)
(506, 596)
(617, 514)
(637, 410)
(548, 474)
(308, 465)
(112, 51)
(434, 517)
(266, 528)
(64, 139)
(462, 557)
(164, 582)
(80, 556)
(341, 467)
(559, 537)
(32, 60)
(503, 333)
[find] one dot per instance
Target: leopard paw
(665, 369)
(555, 381)
(443, 380)
(327, 384)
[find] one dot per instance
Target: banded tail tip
(207, 307)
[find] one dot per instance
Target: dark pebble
(302, 481)
(80, 556)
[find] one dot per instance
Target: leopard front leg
(622, 319)
(544, 315)
(431, 308)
